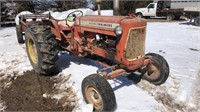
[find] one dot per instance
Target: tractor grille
(135, 45)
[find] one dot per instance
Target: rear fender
(54, 28)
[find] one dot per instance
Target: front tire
(97, 91)
(41, 48)
(158, 71)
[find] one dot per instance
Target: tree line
(10, 8)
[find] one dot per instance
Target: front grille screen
(135, 45)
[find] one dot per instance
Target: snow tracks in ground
(196, 93)
(167, 95)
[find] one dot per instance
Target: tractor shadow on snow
(65, 61)
(126, 80)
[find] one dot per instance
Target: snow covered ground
(178, 42)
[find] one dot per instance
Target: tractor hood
(109, 22)
(100, 22)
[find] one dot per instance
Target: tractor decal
(99, 24)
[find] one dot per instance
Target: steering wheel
(72, 16)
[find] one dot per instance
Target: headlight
(118, 30)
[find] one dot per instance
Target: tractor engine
(106, 42)
(120, 39)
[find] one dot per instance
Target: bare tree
(25, 6)
(105, 5)
(66, 5)
(8, 10)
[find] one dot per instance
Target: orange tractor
(116, 42)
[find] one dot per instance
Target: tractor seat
(64, 23)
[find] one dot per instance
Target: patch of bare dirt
(33, 92)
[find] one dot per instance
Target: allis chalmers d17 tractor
(116, 42)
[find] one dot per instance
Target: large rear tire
(41, 48)
(20, 38)
(158, 71)
(97, 91)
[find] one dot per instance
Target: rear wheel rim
(32, 51)
(94, 97)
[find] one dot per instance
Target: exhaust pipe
(116, 7)
(98, 6)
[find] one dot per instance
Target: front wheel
(158, 71)
(97, 91)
